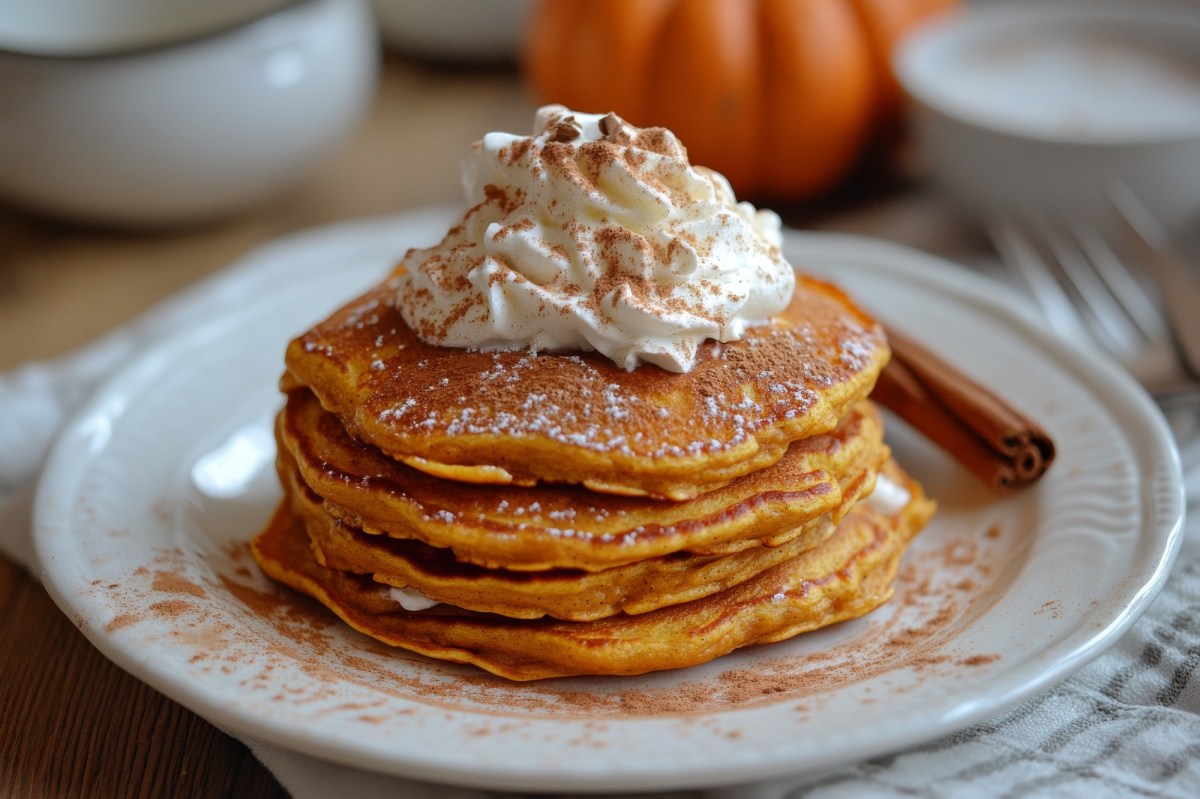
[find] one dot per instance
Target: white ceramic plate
(154, 490)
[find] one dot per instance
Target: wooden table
(73, 724)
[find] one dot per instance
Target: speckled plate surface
(153, 491)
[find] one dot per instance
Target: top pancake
(514, 416)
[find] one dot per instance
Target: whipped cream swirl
(594, 234)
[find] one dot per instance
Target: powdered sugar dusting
(742, 400)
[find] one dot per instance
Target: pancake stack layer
(552, 514)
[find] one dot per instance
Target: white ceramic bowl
(185, 132)
(105, 27)
(1042, 108)
(454, 30)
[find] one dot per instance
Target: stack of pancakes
(552, 514)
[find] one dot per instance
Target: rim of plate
(1162, 523)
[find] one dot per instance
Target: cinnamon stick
(999, 444)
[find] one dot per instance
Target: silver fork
(1126, 293)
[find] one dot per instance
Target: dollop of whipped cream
(596, 235)
(889, 497)
(411, 599)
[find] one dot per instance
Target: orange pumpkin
(782, 96)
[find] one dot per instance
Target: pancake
(849, 574)
(568, 594)
(558, 526)
(518, 417)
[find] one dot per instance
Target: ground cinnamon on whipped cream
(596, 235)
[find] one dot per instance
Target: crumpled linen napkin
(1127, 725)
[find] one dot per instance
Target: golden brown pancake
(569, 594)
(520, 417)
(849, 574)
(559, 526)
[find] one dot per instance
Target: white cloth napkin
(1127, 725)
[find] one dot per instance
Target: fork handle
(1178, 288)
(1181, 299)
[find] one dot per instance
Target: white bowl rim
(93, 48)
(913, 60)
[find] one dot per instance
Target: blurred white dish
(1042, 109)
(98, 27)
(189, 131)
(454, 30)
